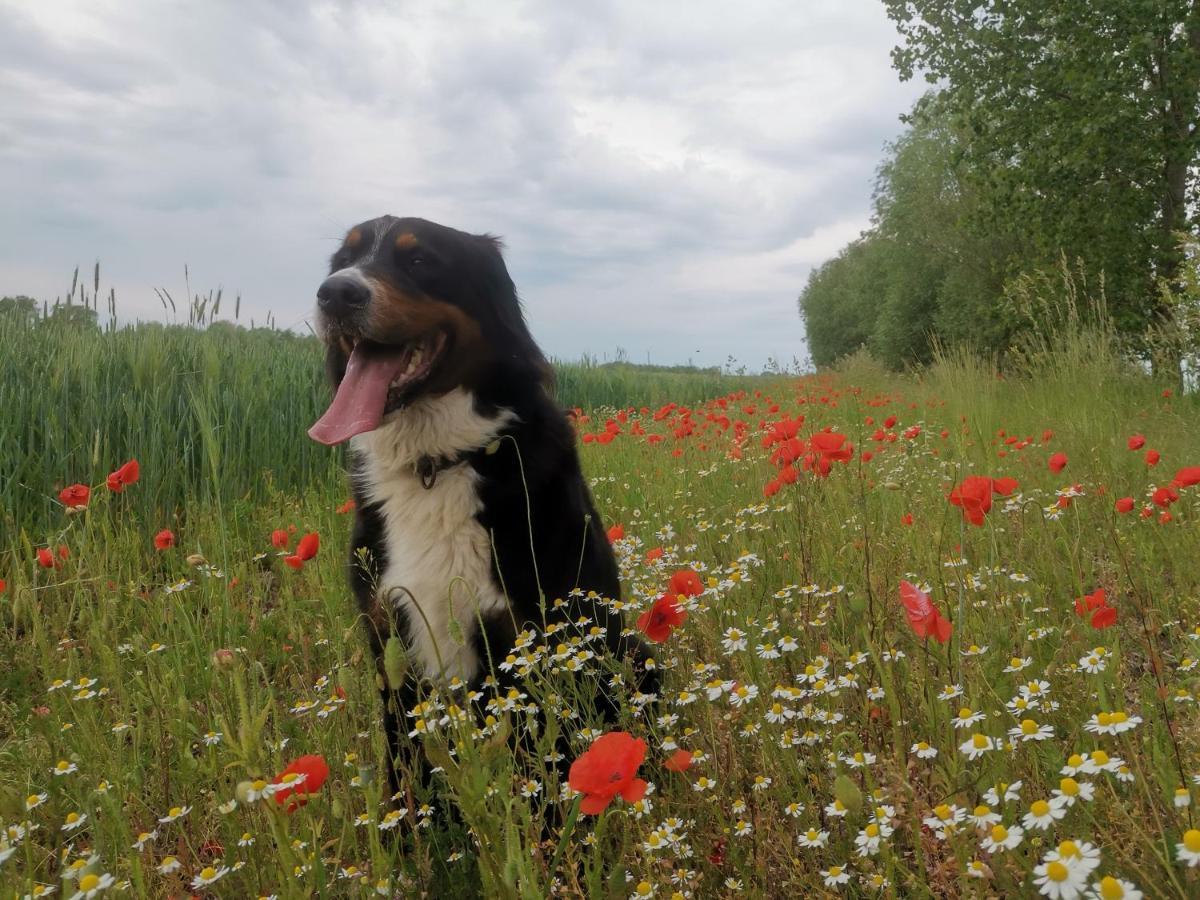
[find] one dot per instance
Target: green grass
(217, 413)
(818, 563)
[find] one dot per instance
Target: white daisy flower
(1187, 851)
(1029, 730)
(91, 884)
(967, 717)
(815, 838)
(1002, 838)
(1043, 814)
(208, 875)
(1058, 881)
(1003, 792)
(835, 875)
(977, 745)
(1110, 888)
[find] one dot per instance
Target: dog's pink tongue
(360, 399)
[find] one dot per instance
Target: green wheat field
(168, 652)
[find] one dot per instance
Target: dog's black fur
(548, 537)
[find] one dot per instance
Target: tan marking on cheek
(397, 316)
(353, 238)
(406, 241)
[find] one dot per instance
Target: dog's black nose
(342, 294)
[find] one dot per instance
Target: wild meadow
(923, 635)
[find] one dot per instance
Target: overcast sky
(664, 175)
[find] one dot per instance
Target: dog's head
(414, 309)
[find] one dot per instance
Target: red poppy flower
(679, 761)
(1152, 457)
(1124, 505)
(1186, 477)
(1089, 602)
(3, 585)
(685, 582)
(280, 539)
(1104, 617)
(346, 507)
(923, 616)
(308, 546)
(46, 557)
(606, 769)
(164, 539)
(615, 533)
(660, 619)
(1057, 462)
(906, 519)
(1164, 496)
(126, 475)
(974, 496)
(1136, 442)
(300, 779)
(654, 554)
(75, 497)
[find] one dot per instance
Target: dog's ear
(507, 305)
(335, 364)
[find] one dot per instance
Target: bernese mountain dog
(473, 520)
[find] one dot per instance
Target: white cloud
(664, 174)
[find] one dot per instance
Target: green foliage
(224, 409)
(200, 691)
(919, 273)
(1081, 120)
(841, 302)
(1058, 129)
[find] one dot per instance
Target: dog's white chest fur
(439, 558)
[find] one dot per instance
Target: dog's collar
(427, 468)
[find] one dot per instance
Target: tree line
(1058, 135)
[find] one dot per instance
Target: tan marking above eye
(353, 238)
(406, 241)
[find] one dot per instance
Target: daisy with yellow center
(1070, 790)
(175, 812)
(1058, 881)
(1110, 888)
(1029, 730)
(813, 838)
(1042, 814)
(208, 875)
(967, 717)
(144, 838)
(982, 816)
(92, 884)
(835, 875)
(977, 745)
(1188, 850)
(1001, 837)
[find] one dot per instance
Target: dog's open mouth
(378, 380)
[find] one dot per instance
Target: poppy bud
(395, 662)
(223, 658)
(845, 790)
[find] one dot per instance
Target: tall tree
(1081, 119)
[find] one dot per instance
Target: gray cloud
(664, 175)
